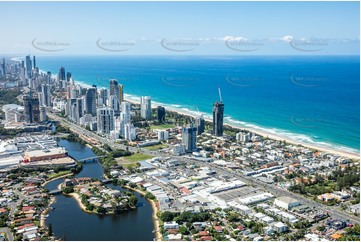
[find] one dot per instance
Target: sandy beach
(45, 212)
(78, 199)
(158, 235)
(269, 135)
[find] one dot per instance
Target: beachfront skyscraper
(90, 101)
(145, 107)
(218, 110)
(28, 66)
(121, 94)
(160, 114)
(68, 76)
(114, 88)
(61, 74)
(189, 138)
(34, 62)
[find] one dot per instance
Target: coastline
(354, 154)
(263, 133)
(158, 235)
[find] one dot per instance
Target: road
(248, 180)
(281, 192)
(12, 207)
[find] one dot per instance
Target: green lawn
(155, 147)
(162, 126)
(137, 157)
(61, 173)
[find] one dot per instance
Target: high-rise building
(145, 107)
(161, 114)
(124, 118)
(103, 97)
(242, 137)
(129, 132)
(34, 62)
(46, 95)
(125, 107)
(4, 69)
(41, 99)
(114, 104)
(163, 135)
(43, 114)
(28, 66)
(68, 76)
(90, 101)
(74, 92)
(200, 124)
(80, 107)
(48, 77)
(218, 110)
(31, 109)
(114, 88)
(121, 94)
(105, 120)
(61, 74)
(72, 109)
(189, 138)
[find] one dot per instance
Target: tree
(149, 196)
(101, 210)
(68, 190)
(133, 200)
(90, 207)
(167, 216)
(132, 185)
(122, 182)
(183, 230)
(233, 217)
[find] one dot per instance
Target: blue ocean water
(311, 99)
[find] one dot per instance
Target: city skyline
(179, 28)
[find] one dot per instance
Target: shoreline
(45, 212)
(158, 235)
(78, 200)
(347, 154)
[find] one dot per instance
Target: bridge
(105, 181)
(90, 159)
(55, 192)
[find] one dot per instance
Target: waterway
(69, 222)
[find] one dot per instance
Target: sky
(180, 28)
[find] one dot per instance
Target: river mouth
(69, 222)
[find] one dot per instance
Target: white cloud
(230, 37)
(287, 38)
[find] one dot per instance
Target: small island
(95, 197)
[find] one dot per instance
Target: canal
(69, 222)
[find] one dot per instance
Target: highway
(335, 213)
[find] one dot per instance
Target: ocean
(309, 99)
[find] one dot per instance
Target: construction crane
(199, 111)
(220, 95)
